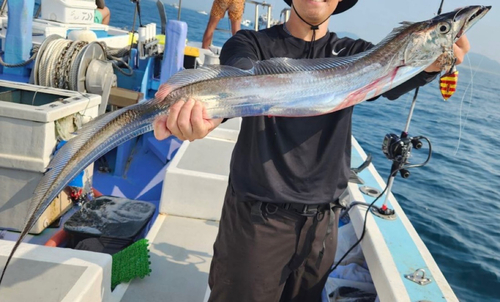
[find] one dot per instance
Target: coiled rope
(33, 56)
(58, 64)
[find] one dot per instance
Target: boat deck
(181, 252)
(41, 273)
(181, 247)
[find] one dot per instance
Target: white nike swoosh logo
(337, 53)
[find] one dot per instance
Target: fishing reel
(398, 149)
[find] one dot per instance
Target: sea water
(453, 201)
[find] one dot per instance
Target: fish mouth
(468, 17)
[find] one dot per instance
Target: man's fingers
(463, 43)
(173, 114)
(160, 127)
(459, 55)
(461, 48)
(199, 127)
(184, 119)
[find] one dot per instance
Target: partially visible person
(278, 228)
(219, 7)
(101, 13)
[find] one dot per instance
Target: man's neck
(299, 29)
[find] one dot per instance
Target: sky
(372, 20)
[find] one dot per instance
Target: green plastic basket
(130, 263)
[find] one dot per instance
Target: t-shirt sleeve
(419, 80)
(239, 51)
(100, 3)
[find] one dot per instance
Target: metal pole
(256, 17)
(286, 14)
(179, 10)
(2, 9)
(269, 16)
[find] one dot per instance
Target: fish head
(433, 39)
(463, 19)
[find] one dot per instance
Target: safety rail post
(256, 18)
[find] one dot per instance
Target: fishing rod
(440, 9)
(398, 150)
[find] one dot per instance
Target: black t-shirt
(294, 159)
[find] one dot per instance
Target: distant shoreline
(466, 66)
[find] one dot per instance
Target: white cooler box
(68, 11)
(29, 116)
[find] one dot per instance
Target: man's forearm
(419, 80)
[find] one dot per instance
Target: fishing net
(130, 263)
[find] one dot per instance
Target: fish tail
(16, 245)
(59, 173)
(23, 234)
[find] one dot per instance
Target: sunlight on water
(453, 201)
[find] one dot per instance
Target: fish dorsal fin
(208, 72)
(287, 65)
(395, 31)
(405, 24)
(70, 148)
(96, 122)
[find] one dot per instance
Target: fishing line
(85, 109)
(34, 95)
(460, 127)
(372, 204)
(393, 173)
(471, 84)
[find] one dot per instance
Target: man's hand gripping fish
(279, 87)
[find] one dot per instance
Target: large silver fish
(279, 87)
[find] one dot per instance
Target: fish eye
(444, 27)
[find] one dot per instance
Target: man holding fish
(278, 232)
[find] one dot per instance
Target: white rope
(54, 65)
(57, 56)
